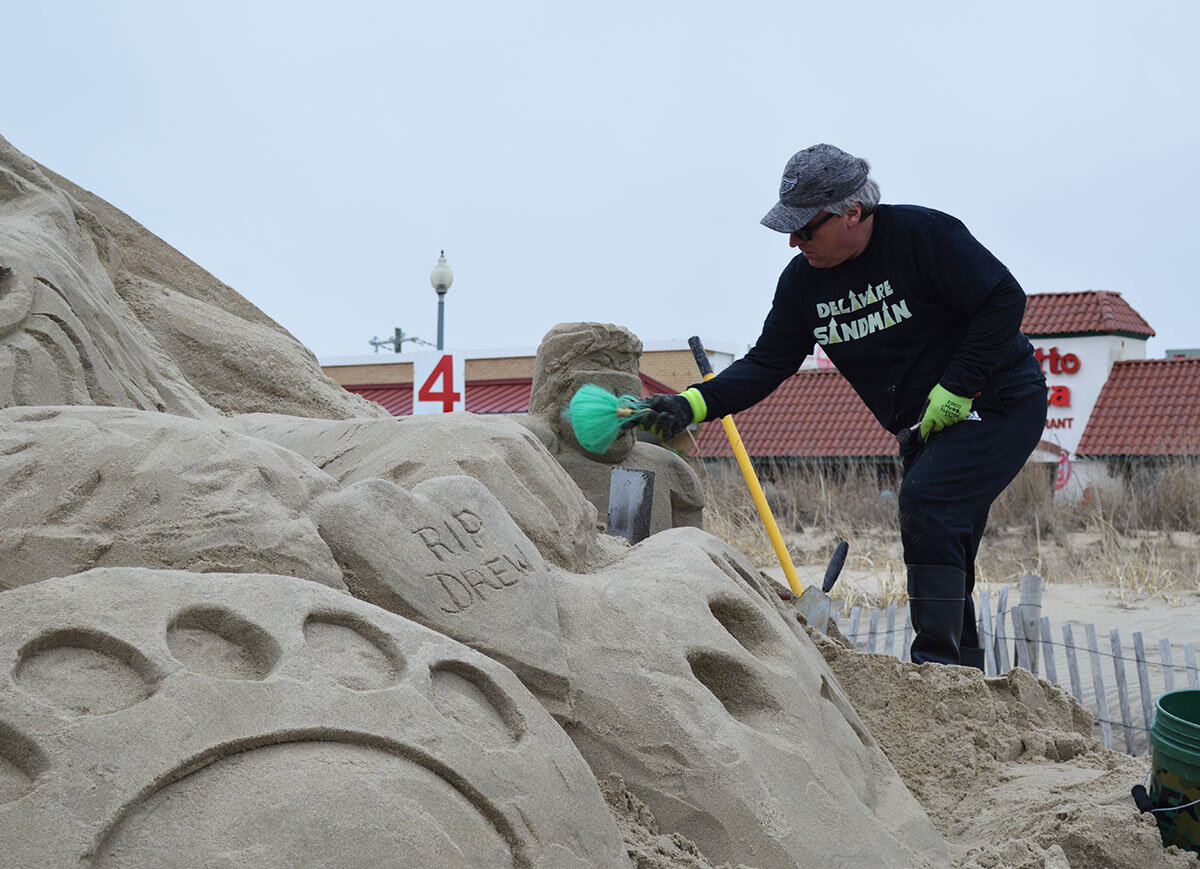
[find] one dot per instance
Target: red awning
(395, 398)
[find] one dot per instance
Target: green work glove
(669, 415)
(943, 410)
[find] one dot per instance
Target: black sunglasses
(805, 233)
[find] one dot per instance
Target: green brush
(597, 416)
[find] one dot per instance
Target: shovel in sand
(815, 604)
(743, 460)
(812, 603)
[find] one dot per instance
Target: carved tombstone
(447, 555)
(572, 354)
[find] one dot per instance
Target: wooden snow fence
(1021, 636)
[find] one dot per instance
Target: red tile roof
(1148, 407)
(650, 386)
(1094, 312)
(502, 395)
(813, 414)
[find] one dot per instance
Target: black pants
(949, 485)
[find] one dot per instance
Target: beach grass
(1136, 535)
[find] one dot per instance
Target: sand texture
(1006, 767)
(84, 487)
(249, 619)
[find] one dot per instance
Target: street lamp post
(441, 277)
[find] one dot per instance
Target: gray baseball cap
(813, 178)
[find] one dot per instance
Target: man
(924, 322)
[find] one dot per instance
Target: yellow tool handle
(624, 411)
(756, 492)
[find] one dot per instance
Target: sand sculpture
(708, 671)
(159, 718)
(176, 492)
(100, 486)
(84, 487)
(96, 310)
(723, 720)
(572, 354)
(248, 619)
(504, 456)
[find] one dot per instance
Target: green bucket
(1175, 780)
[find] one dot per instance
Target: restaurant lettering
(1053, 362)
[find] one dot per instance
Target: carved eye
(21, 762)
(355, 653)
(217, 643)
(473, 699)
(85, 672)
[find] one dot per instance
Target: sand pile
(249, 618)
(646, 844)
(1007, 768)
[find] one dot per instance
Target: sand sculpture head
(572, 354)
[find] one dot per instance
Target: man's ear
(854, 216)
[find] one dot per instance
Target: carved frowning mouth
(386, 780)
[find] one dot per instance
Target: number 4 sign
(438, 383)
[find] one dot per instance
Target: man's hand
(943, 410)
(669, 415)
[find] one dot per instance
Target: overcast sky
(609, 161)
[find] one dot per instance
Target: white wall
(1084, 474)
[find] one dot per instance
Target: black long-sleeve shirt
(924, 303)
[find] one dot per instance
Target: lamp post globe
(441, 277)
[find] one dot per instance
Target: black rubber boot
(971, 656)
(936, 595)
(969, 652)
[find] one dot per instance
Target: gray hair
(867, 196)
